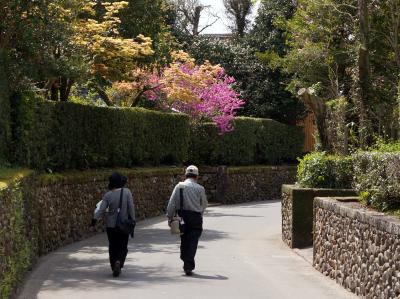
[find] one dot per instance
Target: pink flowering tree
(202, 91)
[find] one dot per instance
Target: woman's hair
(116, 180)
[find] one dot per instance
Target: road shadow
(155, 240)
(216, 214)
(255, 204)
(208, 277)
(85, 264)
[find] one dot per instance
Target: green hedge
(72, 136)
(320, 170)
(5, 129)
(57, 135)
(377, 178)
(253, 141)
(18, 236)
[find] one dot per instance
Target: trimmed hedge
(253, 141)
(377, 178)
(61, 135)
(5, 132)
(72, 136)
(5, 121)
(19, 235)
(375, 175)
(321, 170)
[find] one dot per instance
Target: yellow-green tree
(107, 56)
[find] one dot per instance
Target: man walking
(188, 200)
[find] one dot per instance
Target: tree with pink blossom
(204, 91)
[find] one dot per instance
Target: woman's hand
(92, 224)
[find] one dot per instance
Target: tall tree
(239, 11)
(150, 18)
(190, 12)
(262, 87)
(363, 95)
(266, 35)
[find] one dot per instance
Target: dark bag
(190, 219)
(124, 226)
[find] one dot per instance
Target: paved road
(240, 256)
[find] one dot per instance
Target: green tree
(151, 18)
(239, 11)
(261, 87)
(348, 48)
(265, 34)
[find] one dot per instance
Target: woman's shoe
(117, 269)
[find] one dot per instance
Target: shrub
(387, 147)
(67, 135)
(320, 170)
(5, 132)
(377, 178)
(253, 141)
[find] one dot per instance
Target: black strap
(120, 199)
(181, 199)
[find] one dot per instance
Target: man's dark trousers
(192, 229)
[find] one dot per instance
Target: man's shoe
(117, 269)
(188, 272)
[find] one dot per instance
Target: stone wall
(297, 213)
(244, 184)
(42, 213)
(358, 248)
(67, 205)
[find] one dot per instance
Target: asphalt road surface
(240, 255)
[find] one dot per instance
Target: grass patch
(9, 175)
(395, 212)
(76, 176)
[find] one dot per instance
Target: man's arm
(171, 208)
(204, 201)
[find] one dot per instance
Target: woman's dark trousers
(192, 229)
(117, 246)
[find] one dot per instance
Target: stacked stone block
(358, 248)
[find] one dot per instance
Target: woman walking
(119, 202)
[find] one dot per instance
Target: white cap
(192, 170)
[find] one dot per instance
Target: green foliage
(331, 52)
(266, 35)
(149, 18)
(320, 47)
(66, 135)
(16, 244)
(261, 87)
(377, 178)
(253, 141)
(382, 146)
(11, 175)
(5, 125)
(320, 170)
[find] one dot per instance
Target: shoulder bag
(125, 226)
(176, 223)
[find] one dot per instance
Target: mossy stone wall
(297, 212)
(357, 247)
(254, 183)
(19, 234)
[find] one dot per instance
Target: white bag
(174, 225)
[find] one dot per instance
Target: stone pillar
(222, 183)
